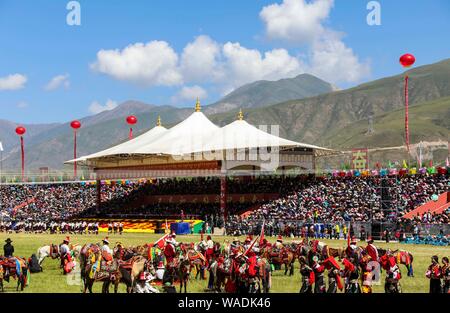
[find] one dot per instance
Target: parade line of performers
(235, 267)
(73, 227)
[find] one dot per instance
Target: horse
(14, 267)
(284, 256)
(53, 252)
(99, 270)
(265, 275)
(183, 270)
(403, 257)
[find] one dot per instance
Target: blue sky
(37, 44)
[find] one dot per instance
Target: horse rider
(170, 248)
(352, 248)
(367, 274)
(307, 276)
(236, 243)
(247, 243)
(319, 269)
(372, 249)
(106, 250)
(389, 263)
(434, 273)
(445, 271)
(351, 275)
(279, 243)
(209, 248)
(8, 249)
(334, 275)
(64, 251)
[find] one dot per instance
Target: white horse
(45, 251)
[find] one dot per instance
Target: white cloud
(303, 22)
(13, 82)
(58, 81)
(153, 63)
(333, 61)
(96, 107)
(203, 60)
(296, 20)
(244, 65)
(190, 93)
(225, 66)
(200, 60)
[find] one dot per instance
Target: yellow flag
(404, 164)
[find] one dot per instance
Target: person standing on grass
(445, 270)
(307, 276)
(8, 249)
(434, 274)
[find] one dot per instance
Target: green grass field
(51, 279)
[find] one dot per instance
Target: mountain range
(306, 108)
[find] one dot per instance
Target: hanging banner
(360, 159)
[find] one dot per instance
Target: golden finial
(240, 115)
(197, 105)
(158, 121)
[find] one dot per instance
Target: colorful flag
(447, 162)
(161, 241)
(431, 163)
(251, 246)
(404, 164)
(390, 164)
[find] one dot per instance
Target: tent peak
(240, 115)
(197, 105)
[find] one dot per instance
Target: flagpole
(1, 163)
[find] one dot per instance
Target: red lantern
(75, 124)
(131, 120)
(407, 60)
(20, 130)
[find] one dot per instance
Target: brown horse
(403, 257)
(98, 270)
(284, 256)
(9, 268)
(264, 274)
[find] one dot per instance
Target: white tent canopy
(182, 137)
(198, 134)
(242, 135)
(128, 146)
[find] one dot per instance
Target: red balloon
(131, 120)
(407, 60)
(75, 124)
(20, 130)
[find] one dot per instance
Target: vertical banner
(223, 197)
(360, 159)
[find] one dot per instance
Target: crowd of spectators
(302, 200)
(339, 200)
